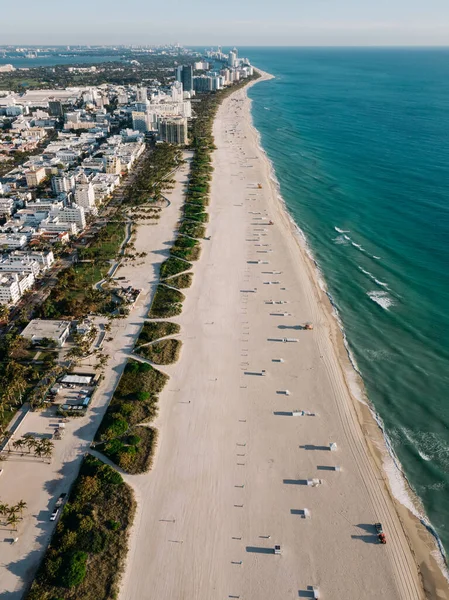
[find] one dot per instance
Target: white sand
(226, 483)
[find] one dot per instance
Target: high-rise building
(55, 108)
(112, 164)
(177, 92)
(70, 214)
(140, 121)
(35, 176)
(84, 194)
(232, 59)
(184, 74)
(173, 130)
(63, 183)
(141, 94)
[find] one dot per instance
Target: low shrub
(173, 266)
(164, 352)
(166, 303)
(152, 331)
(120, 435)
(86, 554)
(180, 281)
(193, 229)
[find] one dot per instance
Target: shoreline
(422, 538)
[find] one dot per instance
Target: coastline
(423, 540)
(228, 478)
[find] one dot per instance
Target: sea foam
(373, 278)
(381, 298)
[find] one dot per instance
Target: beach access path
(40, 483)
(229, 480)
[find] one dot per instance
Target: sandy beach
(229, 481)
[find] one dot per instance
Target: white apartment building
(25, 281)
(63, 183)
(177, 92)
(85, 194)
(42, 205)
(70, 214)
(9, 288)
(54, 225)
(11, 241)
(19, 264)
(45, 258)
(6, 207)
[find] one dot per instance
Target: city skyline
(286, 23)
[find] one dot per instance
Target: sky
(229, 22)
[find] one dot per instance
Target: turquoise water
(359, 139)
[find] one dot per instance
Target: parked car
(54, 514)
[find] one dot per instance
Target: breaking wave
(381, 298)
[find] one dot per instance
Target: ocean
(359, 141)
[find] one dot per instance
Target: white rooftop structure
(39, 329)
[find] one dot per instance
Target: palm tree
(21, 506)
(38, 450)
(29, 441)
(47, 452)
(18, 444)
(12, 520)
(47, 447)
(4, 509)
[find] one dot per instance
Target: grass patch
(86, 555)
(134, 402)
(173, 266)
(196, 213)
(181, 281)
(186, 248)
(164, 352)
(134, 452)
(152, 331)
(166, 303)
(194, 230)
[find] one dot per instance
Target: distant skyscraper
(141, 94)
(232, 59)
(184, 74)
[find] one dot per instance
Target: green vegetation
(152, 331)
(153, 176)
(173, 266)
(86, 554)
(195, 212)
(74, 295)
(120, 72)
(166, 303)
(180, 281)
(186, 248)
(120, 435)
(194, 230)
(164, 352)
